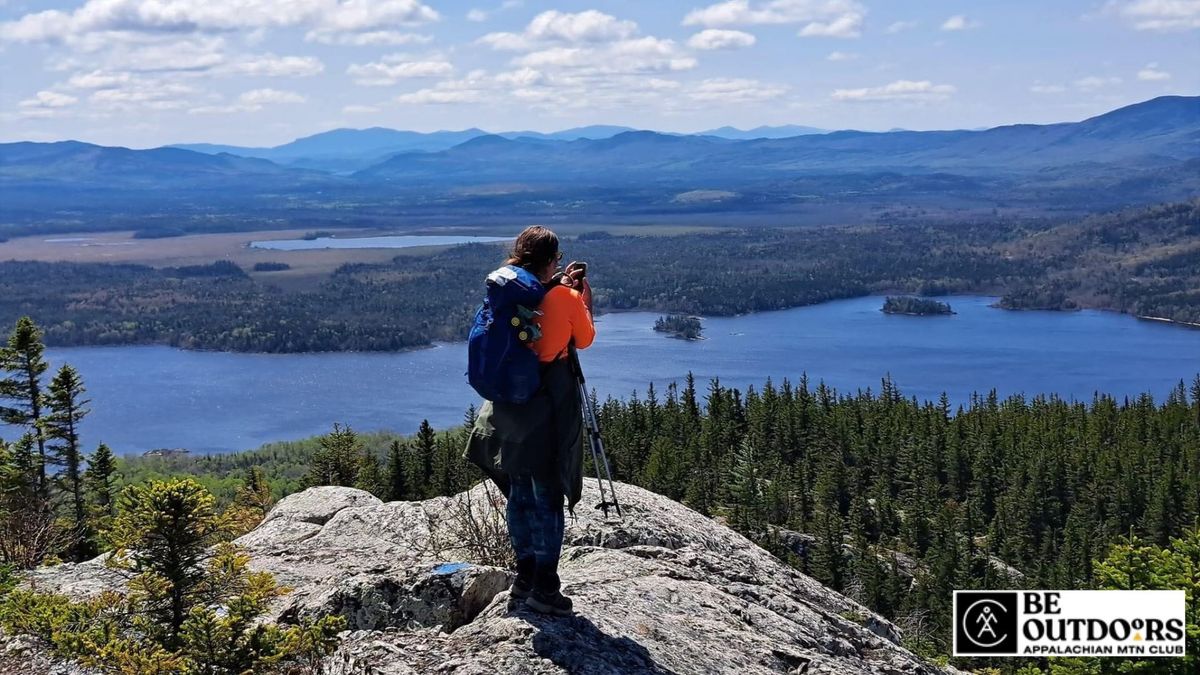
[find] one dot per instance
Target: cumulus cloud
(269, 65)
(261, 97)
(98, 79)
(1152, 73)
(841, 56)
(716, 38)
(736, 90)
(175, 16)
(396, 67)
(251, 101)
(367, 38)
(143, 93)
(473, 88)
(1158, 15)
(637, 55)
(822, 18)
(477, 15)
(1094, 82)
(49, 99)
(1040, 88)
(900, 90)
(900, 27)
(960, 22)
(555, 26)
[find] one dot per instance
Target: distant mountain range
(1145, 151)
(347, 150)
(1153, 133)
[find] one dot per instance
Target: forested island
(680, 326)
(1143, 261)
(914, 306)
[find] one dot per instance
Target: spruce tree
(65, 409)
(29, 530)
(251, 502)
(100, 482)
(397, 479)
(337, 461)
(22, 360)
(370, 475)
(426, 449)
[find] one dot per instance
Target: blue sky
(261, 72)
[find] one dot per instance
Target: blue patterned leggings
(535, 523)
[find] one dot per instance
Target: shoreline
(600, 314)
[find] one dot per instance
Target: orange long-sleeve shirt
(565, 316)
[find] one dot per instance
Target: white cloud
(1093, 82)
(269, 65)
(395, 67)
(98, 79)
(637, 55)
(49, 99)
(1040, 88)
(259, 97)
(847, 26)
(143, 93)
(841, 56)
(359, 109)
(898, 90)
(367, 38)
(716, 38)
(523, 77)
(175, 16)
(477, 15)
(960, 22)
(1159, 15)
(900, 27)
(251, 101)
(1152, 73)
(823, 18)
(736, 90)
(586, 26)
(556, 26)
(473, 88)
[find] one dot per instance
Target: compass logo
(985, 623)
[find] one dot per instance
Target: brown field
(307, 267)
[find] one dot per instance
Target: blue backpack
(500, 365)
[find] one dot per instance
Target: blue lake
(396, 241)
(150, 397)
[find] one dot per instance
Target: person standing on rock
(534, 450)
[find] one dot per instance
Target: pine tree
(747, 481)
(100, 484)
(29, 530)
(164, 534)
(338, 460)
(23, 360)
(370, 475)
(397, 479)
(65, 409)
(426, 450)
(251, 502)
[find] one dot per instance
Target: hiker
(534, 450)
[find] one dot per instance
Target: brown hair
(534, 248)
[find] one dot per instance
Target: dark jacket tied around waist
(543, 437)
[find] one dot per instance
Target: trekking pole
(599, 458)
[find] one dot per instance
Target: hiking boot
(549, 602)
(522, 586)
